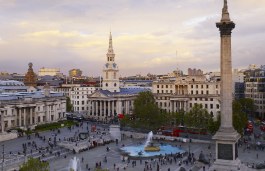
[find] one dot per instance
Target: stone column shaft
(100, 107)
(25, 120)
(226, 81)
(30, 116)
(19, 117)
(108, 108)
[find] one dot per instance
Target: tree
(147, 114)
(198, 117)
(247, 105)
(126, 120)
(69, 106)
(214, 125)
(33, 164)
(239, 118)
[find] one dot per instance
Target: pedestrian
(82, 159)
(257, 156)
(87, 166)
(114, 165)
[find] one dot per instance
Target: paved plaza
(114, 156)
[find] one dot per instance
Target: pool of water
(164, 149)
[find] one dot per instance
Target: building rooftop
(21, 95)
(123, 91)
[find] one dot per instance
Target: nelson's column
(226, 137)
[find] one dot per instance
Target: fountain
(149, 144)
(157, 150)
(74, 165)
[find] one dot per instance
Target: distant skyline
(69, 34)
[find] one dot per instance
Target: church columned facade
(111, 100)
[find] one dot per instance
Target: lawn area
(55, 125)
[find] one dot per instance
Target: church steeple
(111, 71)
(110, 50)
(110, 54)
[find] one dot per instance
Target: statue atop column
(225, 9)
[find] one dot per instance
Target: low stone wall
(167, 138)
(4, 136)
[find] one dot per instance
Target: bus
(262, 126)
(196, 131)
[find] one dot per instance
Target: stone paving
(97, 154)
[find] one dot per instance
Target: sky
(146, 34)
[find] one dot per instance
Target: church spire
(110, 43)
(225, 14)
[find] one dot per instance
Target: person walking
(257, 156)
(114, 165)
(87, 166)
(82, 159)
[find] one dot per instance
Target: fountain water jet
(74, 165)
(149, 145)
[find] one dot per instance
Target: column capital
(225, 28)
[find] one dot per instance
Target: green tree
(126, 120)
(214, 125)
(239, 118)
(247, 105)
(33, 164)
(198, 117)
(69, 106)
(147, 114)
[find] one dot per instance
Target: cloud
(146, 34)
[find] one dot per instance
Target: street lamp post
(189, 150)
(3, 157)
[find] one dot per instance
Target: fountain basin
(133, 151)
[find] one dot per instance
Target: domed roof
(30, 65)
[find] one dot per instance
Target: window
(206, 106)
(166, 86)
(166, 91)
(114, 75)
(106, 84)
(77, 97)
(216, 86)
(195, 99)
(190, 104)
(165, 98)
(191, 86)
(201, 86)
(107, 75)
(162, 91)
(201, 92)
(191, 91)
(157, 91)
(207, 86)
(160, 104)
(211, 99)
(38, 108)
(170, 86)
(157, 86)
(83, 102)
(206, 99)
(217, 106)
(197, 86)
(171, 91)
(207, 92)
(77, 102)
(162, 86)
(83, 108)
(82, 97)
(165, 104)
(197, 92)
(211, 106)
